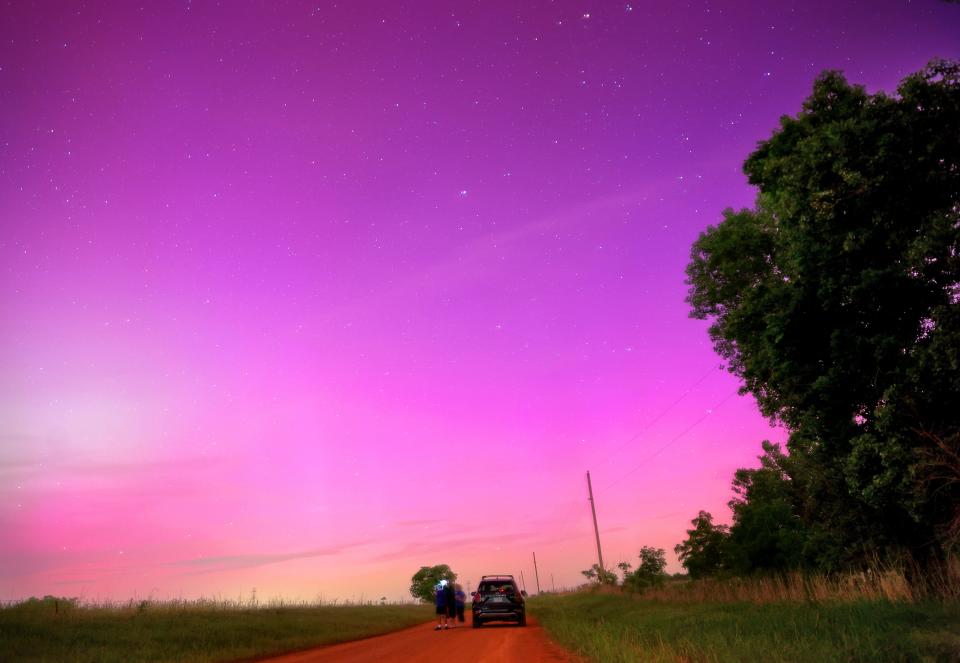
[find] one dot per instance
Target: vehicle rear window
(494, 586)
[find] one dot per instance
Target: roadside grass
(618, 628)
(888, 582)
(189, 631)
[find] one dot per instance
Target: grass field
(186, 631)
(614, 628)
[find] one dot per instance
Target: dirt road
(493, 643)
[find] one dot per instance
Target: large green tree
(837, 300)
(424, 582)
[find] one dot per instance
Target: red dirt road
(493, 643)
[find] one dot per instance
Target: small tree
(600, 576)
(704, 553)
(424, 581)
(650, 572)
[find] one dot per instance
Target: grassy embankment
(186, 630)
(790, 619)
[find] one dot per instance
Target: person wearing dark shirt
(440, 597)
(461, 602)
(451, 600)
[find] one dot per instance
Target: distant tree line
(836, 300)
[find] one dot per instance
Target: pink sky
(301, 297)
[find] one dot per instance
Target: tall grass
(609, 628)
(886, 614)
(204, 630)
(893, 582)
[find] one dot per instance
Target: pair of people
(451, 602)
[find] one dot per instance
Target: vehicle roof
(500, 577)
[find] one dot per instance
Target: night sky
(301, 297)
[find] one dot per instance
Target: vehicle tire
(476, 623)
(523, 620)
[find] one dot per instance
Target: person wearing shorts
(440, 598)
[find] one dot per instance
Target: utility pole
(523, 583)
(535, 572)
(596, 530)
(552, 586)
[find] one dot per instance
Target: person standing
(440, 598)
(451, 601)
(461, 602)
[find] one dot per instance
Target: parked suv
(498, 599)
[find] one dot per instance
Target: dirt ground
(493, 643)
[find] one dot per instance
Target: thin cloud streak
(247, 561)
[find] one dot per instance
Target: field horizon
(797, 616)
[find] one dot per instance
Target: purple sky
(302, 297)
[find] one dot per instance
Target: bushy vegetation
(56, 629)
(600, 575)
(649, 573)
(837, 300)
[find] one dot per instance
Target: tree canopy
(424, 581)
(837, 300)
(704, 552)
(649, 573)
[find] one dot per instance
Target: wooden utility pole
(523, 583)
(536, 573)
(596, 530)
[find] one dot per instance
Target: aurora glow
(301, 297)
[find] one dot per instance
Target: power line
(660, 416)
(669, 442)
(646, 427)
